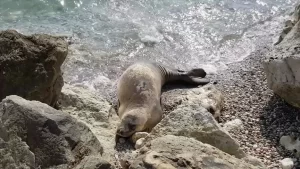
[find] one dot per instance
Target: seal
(139, 94)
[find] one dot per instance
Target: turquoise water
(110, 34)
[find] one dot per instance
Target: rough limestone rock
(93, 162)
(53, 137)
(30, 66)
(208, 97)
(191, 119)
(171, 152)
(92, 110)
(282, 65)
(254, 161)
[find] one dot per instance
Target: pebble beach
(265, 116)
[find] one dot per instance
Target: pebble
(289, 143)
(136, 136)
(236, 124)
(139, 143)
(287, 163)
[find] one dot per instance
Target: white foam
(150, 35)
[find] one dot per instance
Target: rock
(282, 65)
(52, 136)
(30, 66)
(92, 110)
(208, 97)
(254, 161)
(170, 152)
(92, 162)
(289, 24)
(290, 143)
(236, 124)
(287, 163)
(138, 135)
(139, 143)
(191, 119)
(14, 153)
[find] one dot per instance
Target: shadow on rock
(123, 144)
(279, 119)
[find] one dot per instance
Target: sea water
(109, 35)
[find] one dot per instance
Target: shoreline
(265, 116)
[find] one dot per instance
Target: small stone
(136, 136)
(139, 143)
(289, 143)
(234, 125)
(287, 163)
(227, 116)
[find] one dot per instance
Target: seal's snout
(123, 132)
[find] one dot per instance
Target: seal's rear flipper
(195, 77)
(197, 80)
(192, 77)
(197, 73)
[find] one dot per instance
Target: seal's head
(130, 123)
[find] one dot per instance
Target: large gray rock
(193, 119)
(92, 110)
(38, 135)
(171, 152)
(30, 66)
(282, 65)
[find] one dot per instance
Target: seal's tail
(194, 76)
